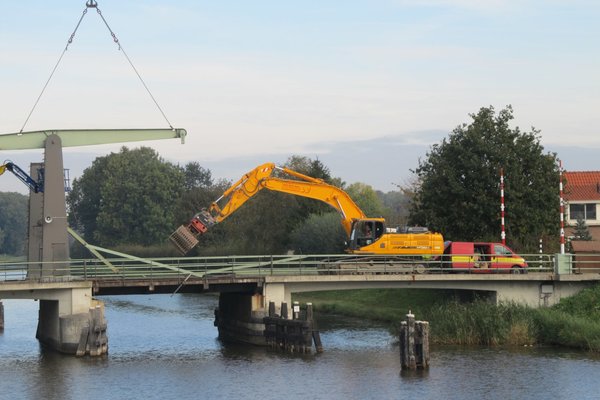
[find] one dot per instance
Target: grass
(483, 323)
(386, 305)
(559, 327)
(10, 258)
(574, 322)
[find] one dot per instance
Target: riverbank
(454, 319)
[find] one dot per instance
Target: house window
(582, 211)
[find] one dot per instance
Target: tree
(307, 166)
(13, 223)
(126, 198)
(315, 169)
(196, 176)
(366, 198)
(319, 234)
(458, 183)
(581, 231)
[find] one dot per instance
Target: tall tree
(13, 223)
(126, 198)
(458, 183)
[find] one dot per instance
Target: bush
(481, 322)
(559, 328)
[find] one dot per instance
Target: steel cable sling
(94, 4)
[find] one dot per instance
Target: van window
(501, 250)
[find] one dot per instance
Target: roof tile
(582, 185)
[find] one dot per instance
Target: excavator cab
(365, 232)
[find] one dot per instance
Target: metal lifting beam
(86, 137)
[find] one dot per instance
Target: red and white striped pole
(562, 208)
(541, 256)
(503, 234)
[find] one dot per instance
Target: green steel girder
(86, 137)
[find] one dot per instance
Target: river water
(165, 347)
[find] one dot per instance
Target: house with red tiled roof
(582, 197)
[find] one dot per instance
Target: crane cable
(94, 4)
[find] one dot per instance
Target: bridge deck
(250, 273)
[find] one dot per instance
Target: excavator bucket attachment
(183, 239)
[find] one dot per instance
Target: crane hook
(91, 4)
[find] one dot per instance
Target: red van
(482, 257)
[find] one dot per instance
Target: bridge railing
(265, 265)
(584, 263)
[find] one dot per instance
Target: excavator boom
(305, 186)
(186, 237)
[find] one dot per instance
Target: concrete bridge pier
(239, 317)
(71, 322)
(69, 319)
(78, 333)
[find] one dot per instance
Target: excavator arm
(186, 237)
(240, 192)
(304, 186)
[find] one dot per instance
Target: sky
(365, 86)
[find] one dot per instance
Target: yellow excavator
(365, 235)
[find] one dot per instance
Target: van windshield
(502, 250)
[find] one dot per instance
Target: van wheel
(516, 270)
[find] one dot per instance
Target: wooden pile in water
(293, 335)
(414, 343)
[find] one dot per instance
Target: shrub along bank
(454, 319)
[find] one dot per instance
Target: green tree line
(133, 199)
